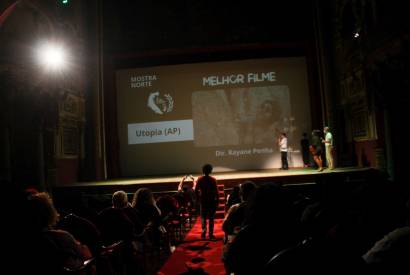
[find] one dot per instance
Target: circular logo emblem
(160, 104)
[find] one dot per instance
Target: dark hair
(41, 212)
(269, 200)
(207, 169)
(246, 189)
(141, 197)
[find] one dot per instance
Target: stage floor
(291, 176)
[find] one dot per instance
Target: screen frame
(115, 62)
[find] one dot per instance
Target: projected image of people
(268, 121)
(239, 116)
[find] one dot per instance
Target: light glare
(52, 56)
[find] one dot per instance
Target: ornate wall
(42, 129)
(369, 55)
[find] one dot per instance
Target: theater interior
(111, 112)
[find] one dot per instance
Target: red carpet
(196, 256)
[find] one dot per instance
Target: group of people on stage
(314, 147)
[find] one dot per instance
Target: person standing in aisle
(207, 193)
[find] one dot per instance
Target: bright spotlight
(52, 56)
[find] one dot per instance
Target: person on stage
(283, 148)
(328, 141)
(304, 145)
(316, 149)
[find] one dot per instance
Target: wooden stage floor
(299, 176)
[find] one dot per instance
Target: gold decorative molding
(72, 107)
(71, 124)
(359, 117)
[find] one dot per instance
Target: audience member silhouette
(269, 227)
(144, 202)
(83, 230)
(186, 195)
(236, 213)
(168, 206)
(392, 252)
(113, 223)
(235, 217)
(47, 250)
(233, 198)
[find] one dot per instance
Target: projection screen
(173, 119)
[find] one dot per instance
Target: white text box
(163, 131)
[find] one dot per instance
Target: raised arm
(181, 183)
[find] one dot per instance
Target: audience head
(207, 169)
(270, 202)
(246, 189)
(119, 199)
(167, 205)
(41, 213)
(143, 196)
(236, 189)
(317, 219)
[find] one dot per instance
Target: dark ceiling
(131, 26)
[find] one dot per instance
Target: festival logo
(160, 104)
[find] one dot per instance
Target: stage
(169, 184)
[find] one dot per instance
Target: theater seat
(88, 268)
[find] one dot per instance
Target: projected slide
(243, 115)
(173, 119)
